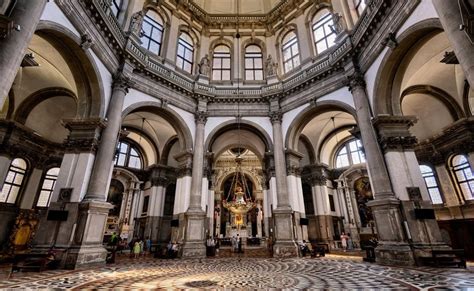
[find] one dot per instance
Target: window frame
(253, 56)
(435, 177)
(115, 8)
(127, 154)
(186, 47)
(358, 4)
(41, 187)
(21, 186)
(323, 21)
(462, 168)
(155, 25)
(221, 56)
(289, 45)
(346, 145)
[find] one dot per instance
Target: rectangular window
(146, 201)
(331, 203)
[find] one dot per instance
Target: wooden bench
(446, 258)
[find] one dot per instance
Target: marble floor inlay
(252, 273)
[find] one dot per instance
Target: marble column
(450, 16)
(284, 245)
(26, 15)
(87, 248)
(31, 191)
(103, 164)
(393, 246)
(409, 186)
(195, 216)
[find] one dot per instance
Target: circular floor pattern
(249, 273)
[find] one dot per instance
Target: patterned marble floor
(250, 273)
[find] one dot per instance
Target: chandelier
(241, 200)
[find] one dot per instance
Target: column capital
(356, 80)
(316, 174)
(83, 134)
(394, 132)
(276, 116)
(122, 82)
(200, 117)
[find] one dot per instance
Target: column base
(85, 256)
(394, 253)
(87, 248)
(285, 245)
(194, 241)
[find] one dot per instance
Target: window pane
(286, 54)
(355, 158)
(258, 75)
(460, 176)
(18, 179)
(296, 61)
(43, 199)
(288, 66)
(248, 75)
(295, 50)
(10, 177)
(226, 75)
(13, 194)
(216, 75)
(226, 63)
(5, 190)
(187, 67)
(248, 63)
(216, 64)
(258, 63)
(121, 160)
(431, 182)
(435, 196)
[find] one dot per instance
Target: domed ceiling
(230, 6)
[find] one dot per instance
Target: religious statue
(136, 22)
(338, 26)
(204, 65)
(270, 66)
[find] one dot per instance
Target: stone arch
(450, 103)
(384, 101)
(87, 75)
(167, 148)
(220, 182)
(338, 145)
(298, 124)
(244, 125)
(25, 107)
(176, 121)
(144, 136)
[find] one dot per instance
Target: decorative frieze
(84, 134)
(456, 138)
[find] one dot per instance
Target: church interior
(237, 144)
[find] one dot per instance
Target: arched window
(359, 6)
(350, 153)
(47, 187)
(323, 32)
(14, 181)
(185, 54)
(291, 51)
(152, 32)
(431, 184)
(115, 7)
(463, 175)
(221, 63)
(128, 156)
(253, 63)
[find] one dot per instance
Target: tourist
(136, 249)
(234, 244)
(148, 245)
(350, 244)
(344, 241)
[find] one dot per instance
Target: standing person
(344, 241)
(350, 244)
(239, 245)
(234, 244)
(148, 245)
(136, 249)
(142, 246)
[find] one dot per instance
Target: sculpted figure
(204, 65)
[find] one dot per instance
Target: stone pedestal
(273, 79)
(284, 244)
(87, 248)
(194, 238)
(393, 248)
